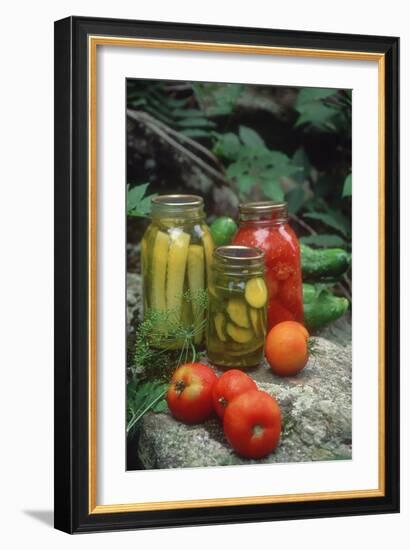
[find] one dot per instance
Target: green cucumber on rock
(324, 263)
(321, 307)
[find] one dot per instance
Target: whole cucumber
(323, 263)
(323, 308)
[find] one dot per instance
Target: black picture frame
(72, 513)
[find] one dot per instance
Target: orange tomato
(286, 348)
(294, 324)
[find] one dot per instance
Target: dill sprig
(162, 344)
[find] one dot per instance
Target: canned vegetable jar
(176, 257)
(265, 225)
(238, 296)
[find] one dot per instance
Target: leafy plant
(142, 398)
(138, 203)
(155, 356)
(331, 218)
(217, 99)
(324, 108)
(347, 186)
(179, 113)
(253, 167)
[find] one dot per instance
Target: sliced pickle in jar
(239, 351)
(256, 320)
(196, 279)
(177, 260)
(238, 312)
(238, 334)
(256, 293)
(220, 322)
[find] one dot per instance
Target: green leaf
(347, 187)
(295, 199)
(317, 114)
(301, 159)
(333, 219)
(138, 204)
(187, 113)
(308, 95)
(160, 407)
(323, 240)
(217, 99)
(227, 146)
(245, 183)
(237, 169)
(196, 123)
(273, 190)
(250, 138)
(142, 398)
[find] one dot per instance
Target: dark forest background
(235, 142)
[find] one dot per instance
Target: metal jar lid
(264, 210)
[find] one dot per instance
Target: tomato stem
(223, 401)
(180, 386)
(257, 430)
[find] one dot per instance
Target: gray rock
(316, 419)
(134, 300)
(339, 331)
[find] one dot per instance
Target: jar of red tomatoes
(265, 225)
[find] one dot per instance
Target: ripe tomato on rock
(231, 384)
(252, 424)
(189, 395)
(286, 348)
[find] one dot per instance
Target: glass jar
(237, 293)
(265, 225)
(176, 256)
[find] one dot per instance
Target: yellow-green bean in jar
(176, 257)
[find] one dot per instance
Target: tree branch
(166, 132)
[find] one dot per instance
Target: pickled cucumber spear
(177, 261)
(196, 279)
(209, 249)
(159, 271)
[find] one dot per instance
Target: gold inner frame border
(93, 43)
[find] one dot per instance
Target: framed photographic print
(226, 274)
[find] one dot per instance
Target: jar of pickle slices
(237, 307)
(176, 256)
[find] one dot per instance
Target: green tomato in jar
(222, 230)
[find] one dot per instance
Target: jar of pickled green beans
(176, 256)
(236, 328)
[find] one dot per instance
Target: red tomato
(189, 395)
(231, 384)
(252, 424)
(272, 284)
